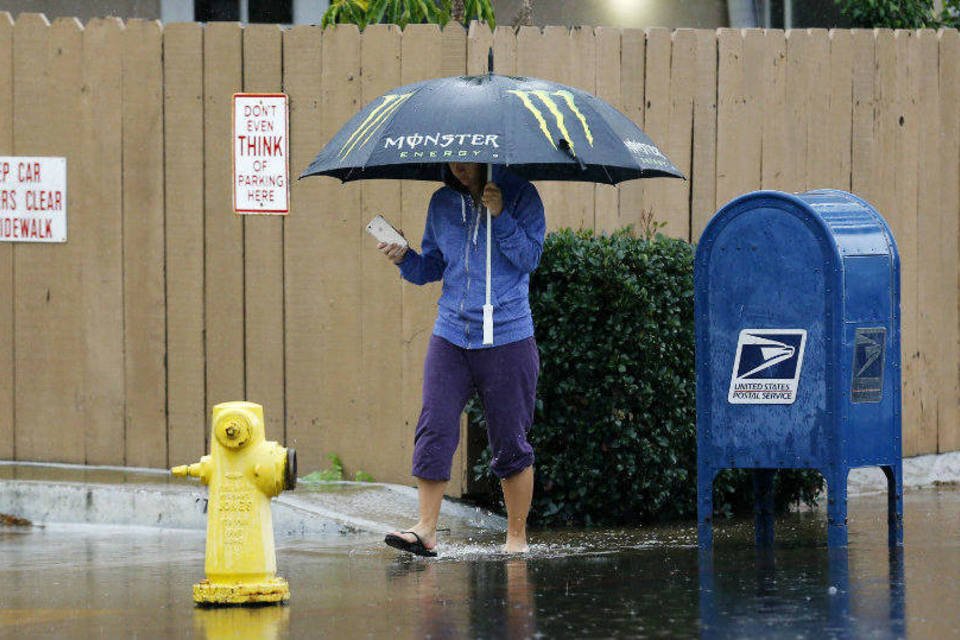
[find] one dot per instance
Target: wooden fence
(115, 345)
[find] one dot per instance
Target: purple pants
(505, 377)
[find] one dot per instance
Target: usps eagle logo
(767, 366)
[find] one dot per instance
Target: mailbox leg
(894, 475)
(838, 574)
(763, 506)
(837, 507)
(708, 605)
(897, 592)
(705, 477)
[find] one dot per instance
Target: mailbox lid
(855, 227)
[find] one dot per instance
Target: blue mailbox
(798, 350)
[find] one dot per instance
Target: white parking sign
(33, 199)
(260, 143)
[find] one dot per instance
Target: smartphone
(383, 231)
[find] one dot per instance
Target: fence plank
(932, 294)
(420, 60)
(703, 172)
(505, 51)
(306, 372)
(263, 253)
(863, 144)
(656, 115)
(948, 429)
(676, 193)
(338, 250)
(917, 438)
(741, 57)
(773, 100)
(453, 50)
(633, 47)
(49, 385)
(183, 166)
(7, 451)
(818, 130)
(100, 200)
(841, 108)
(479, 42)
(606, 197)
(382, 342)
(223, 230)
(798, 87)
(729, 111)
(886, 125)
(143, 256)
(31, 34)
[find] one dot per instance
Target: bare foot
(516, 546)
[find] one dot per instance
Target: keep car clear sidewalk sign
(33, 199)
(260, 143)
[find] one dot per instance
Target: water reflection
(500, 598)
(792, 592)
(241, 623)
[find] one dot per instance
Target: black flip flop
(417, 547)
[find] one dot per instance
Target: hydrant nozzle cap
(290, 470)
(233, 429)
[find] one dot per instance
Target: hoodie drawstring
(463, 216)
(476, 228)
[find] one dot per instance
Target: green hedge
(615, 425)
(900, 14)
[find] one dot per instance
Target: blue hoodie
(454, 249)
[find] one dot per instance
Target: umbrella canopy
(542, 130)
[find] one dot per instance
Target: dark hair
(454, 183)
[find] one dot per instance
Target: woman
(504, 374)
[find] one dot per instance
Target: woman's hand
(394, 252)
(492, 199)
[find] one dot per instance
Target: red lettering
(261, 145)
(49, 229)
(28, 172)
(8, 200)
(44, 200)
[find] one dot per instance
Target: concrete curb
(919, 472)
(70, 494)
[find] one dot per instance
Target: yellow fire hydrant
(243, 472)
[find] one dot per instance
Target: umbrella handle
(488, 307)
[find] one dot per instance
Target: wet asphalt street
(84, 581)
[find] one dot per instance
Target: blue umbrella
(541, 130)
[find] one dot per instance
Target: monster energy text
(442, 140)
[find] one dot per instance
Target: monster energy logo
(547, 99)
(377, 117)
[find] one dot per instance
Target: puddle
(648, 582)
